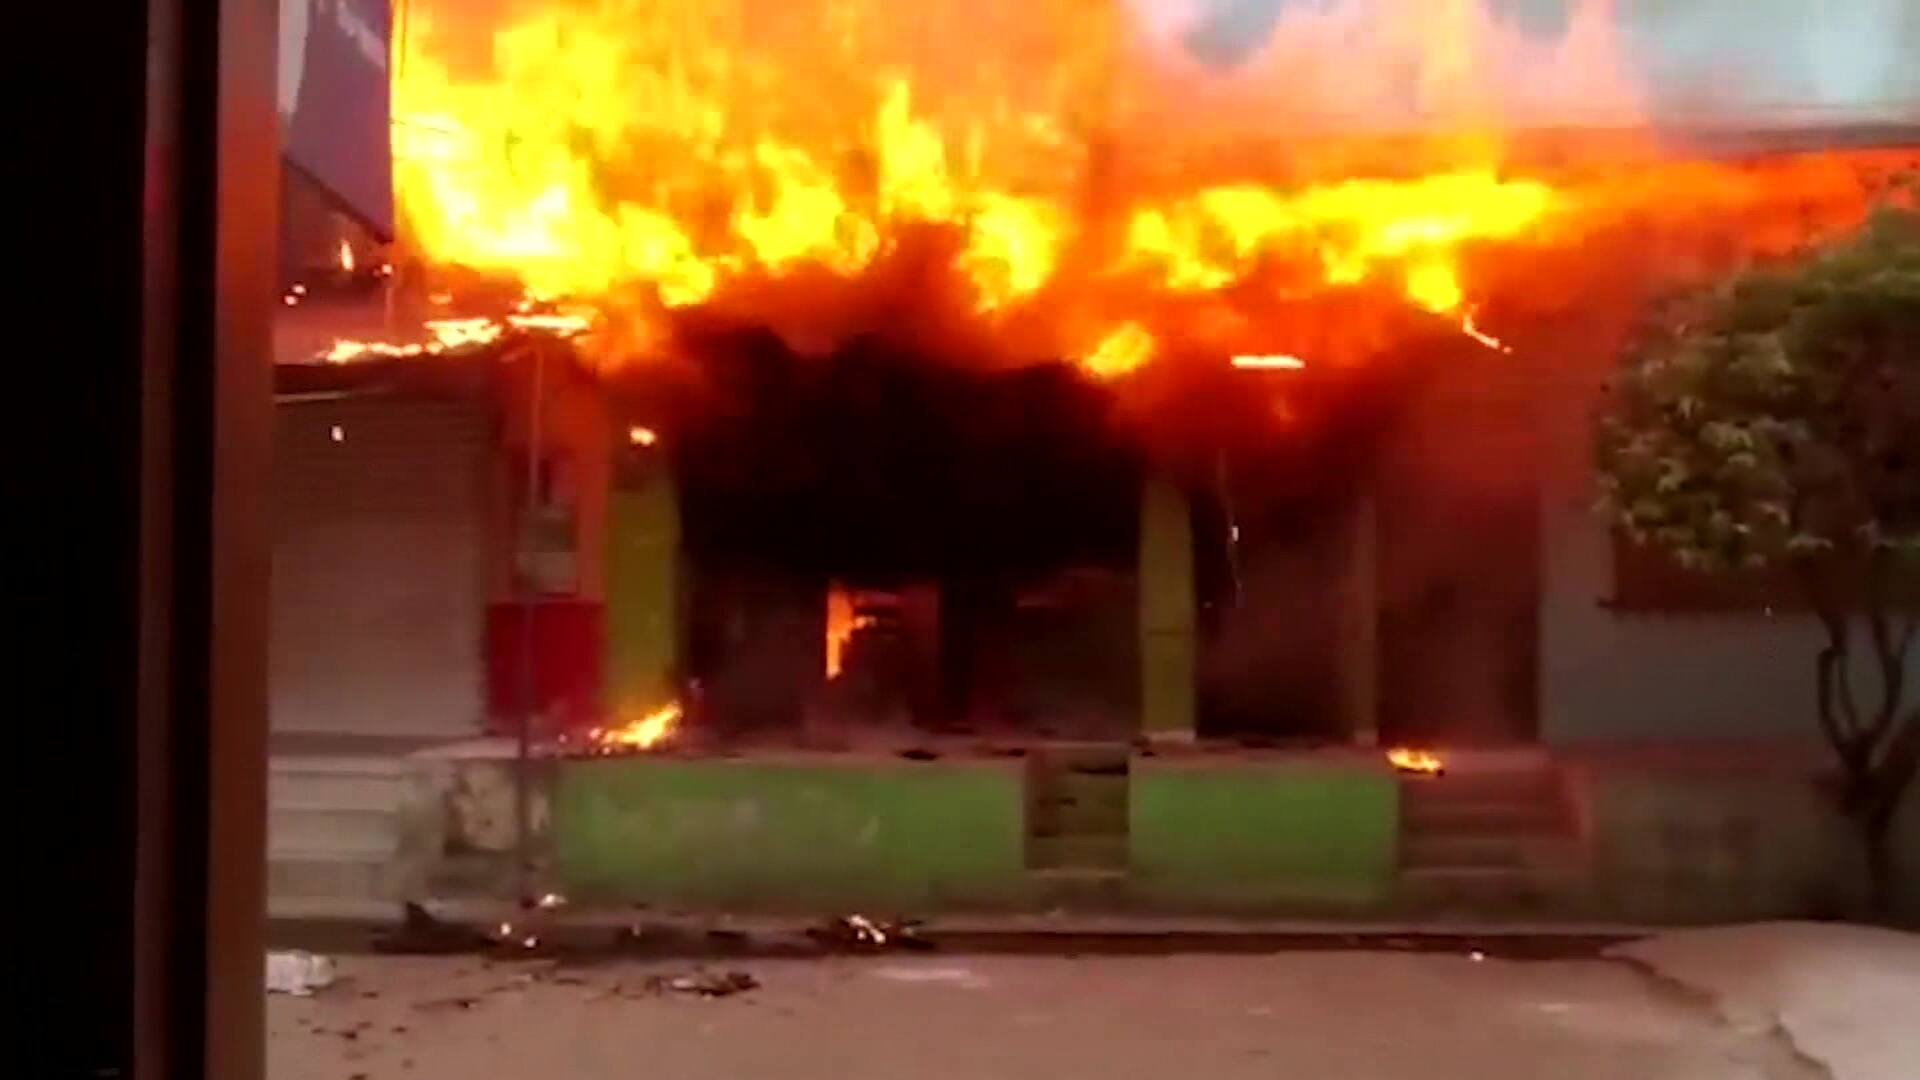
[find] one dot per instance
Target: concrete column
(643, 582)
(1168, 641)
(1357, 619)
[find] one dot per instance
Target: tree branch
(1839, 712)
(1889, 648)
(1892, 774)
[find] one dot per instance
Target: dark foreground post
(141, 447)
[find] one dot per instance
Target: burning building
(1099, 371)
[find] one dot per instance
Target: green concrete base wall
(1687, 847)
(934, 837)
(747, 835)
(1263, 836)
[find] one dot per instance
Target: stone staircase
(1077, 818)
(332, 833)
(1495, 836)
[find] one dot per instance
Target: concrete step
(1077, 852)
(1492, 889)
(294, 876)
(1536, 849)
(1080, 886)
(366, 832)
(1458, 815)
(1059, 760)
(1511, 787)
(347, 782)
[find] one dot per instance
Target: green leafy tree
(1772, 423)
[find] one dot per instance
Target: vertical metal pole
(523, 750)
(1223, 478)
(397, 59)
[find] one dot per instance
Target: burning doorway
(1368, 568)
(875, 538)
(872, 537)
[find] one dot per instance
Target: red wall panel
(546, 658)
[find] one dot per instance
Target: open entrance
(873, 539)
(1373, 572)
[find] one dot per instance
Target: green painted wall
(1263, 836)
(642, 607)
(818, 837)
(1168, 645)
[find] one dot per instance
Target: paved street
(1314, 1016)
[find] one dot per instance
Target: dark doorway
(958, 504)
(1459, 558)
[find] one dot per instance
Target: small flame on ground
(1417, 762)
(346, 256)
(640, 435)
(644, 731)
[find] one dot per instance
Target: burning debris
(858, 933)
(1411, 762)
(632, 731)
(703, 983)
(459, 336)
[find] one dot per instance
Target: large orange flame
(666, 151)
(1087, 189)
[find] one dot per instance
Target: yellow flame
(1268, 362)
(456, 335)
(1419, 762)
(657, 155)
(1127, 348)
(843, 621)
(643, 731)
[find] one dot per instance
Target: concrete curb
(677, 935)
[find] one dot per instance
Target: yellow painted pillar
(1168, 626)
(643, 580)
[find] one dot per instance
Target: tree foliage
(1772, 421)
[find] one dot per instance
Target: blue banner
(335, 102)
